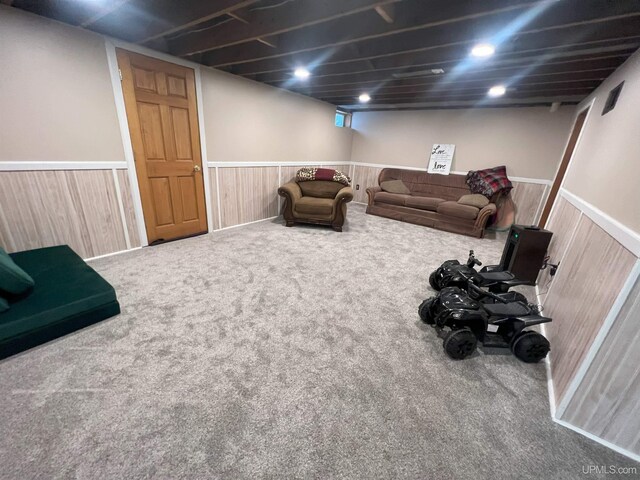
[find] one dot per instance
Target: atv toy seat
(497, 276)
(454, 274)
(515, 309)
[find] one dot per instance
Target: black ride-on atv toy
(495, 320)
(454, 274)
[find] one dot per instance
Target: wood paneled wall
(607, 402)
(562, 222)
(247, 194)
(590, 277)
(527, 198)
(81, 207)
(127, 203)
(363, 178)
(51, 207)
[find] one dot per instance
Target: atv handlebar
(472, 261)
(472, 287)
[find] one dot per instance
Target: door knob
(196, 168)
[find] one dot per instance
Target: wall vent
(612, 99)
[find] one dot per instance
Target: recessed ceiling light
(497, 91)
(364, 98)
(483, 50)
(301, 73)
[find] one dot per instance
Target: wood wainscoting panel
(562, 223)
(587, 284)
(527, 197)
(606, 402)
(364, 177)
(129, 211)
(213, 191)
(52, 207)
(248, 194)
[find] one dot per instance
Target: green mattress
(68, 295)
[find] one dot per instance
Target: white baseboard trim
(111, 254)
(547, 361)
(624, 235)
(53, 165)
(243, 224)
(601, 441)
(556, 413)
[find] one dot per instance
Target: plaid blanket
(489, 181)
(307, 174)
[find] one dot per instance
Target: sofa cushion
(391, 198)
(320, 188)
(314, 206)
(474, 200)
(395, 186)
(13, 279)
(67, 292)
(424, 203)
(454, 209)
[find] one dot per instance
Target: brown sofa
(432, 202)
(316, 201)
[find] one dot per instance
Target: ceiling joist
(546, 50)
(268, 22)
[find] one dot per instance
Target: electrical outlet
(357, 186)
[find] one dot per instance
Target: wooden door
(564, 164)
(160, 99)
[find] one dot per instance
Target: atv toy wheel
(530, 347)
(459, 344)
(424, 310)
(433, 282)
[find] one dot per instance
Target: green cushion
(13, 279)
(68, 294)
(4, 305)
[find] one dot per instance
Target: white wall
(605, 169)
(57, 104)
(529, 141)
(246, 121)
(56, 98)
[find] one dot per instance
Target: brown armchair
(316, 201)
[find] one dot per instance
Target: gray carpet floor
(272, 352)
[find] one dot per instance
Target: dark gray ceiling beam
(270, 21)
(505, 74)
(410, 15)
(142, 21)
(399, 47)
(451, 22)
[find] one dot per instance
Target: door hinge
(120, 73)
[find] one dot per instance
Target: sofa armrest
(345, 195)
(484, 214)
(291, 191)
(371, 192)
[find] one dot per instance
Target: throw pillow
(395, 186)
(309, 174)
(4, 305)
(13, 279)
(474, 200)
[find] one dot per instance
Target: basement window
(343, 119)
(612, 99)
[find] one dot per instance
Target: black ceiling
(546, 51)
